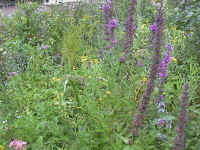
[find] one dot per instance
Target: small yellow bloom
(1, 147)
(173, 59)
(143, 26)
(173, 41)
(173, 28)
(95, 61)
(100, 99)
(84, 59)
(144, 79)
(55, 79)
(108, 92)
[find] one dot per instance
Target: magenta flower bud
(112, 23)
(152, 27)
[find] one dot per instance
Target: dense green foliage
(63, 97)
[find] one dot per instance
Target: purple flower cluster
(161, 122)
(182, 119)
(17, 145)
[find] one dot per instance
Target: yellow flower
(108, 92)
(173, 28)
(143, 26)
(84, 59)
(173, 41)
(54, 99)
(144, 79)
(173, 59)
(95, 61)
(100, 99)
(55, 79)
(1, 147)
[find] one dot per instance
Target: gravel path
(8, 11)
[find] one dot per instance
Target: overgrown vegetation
(57, 93)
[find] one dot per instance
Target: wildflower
(139, 63)
(169, 124)
(129, 28)
(122, 59)
(144, 79)
(55, 79)
(84, 59)
(150, 84)
(44, 47)
(161, 137)
(10, 74)
(182, 119)
(163, 65)
(112, 23)
(1, 147)
(95, 61)
(161, 107)
(152, 27)
(173, 59)
(100, 99)
(161, 122)
(17, 144)
(108, 92)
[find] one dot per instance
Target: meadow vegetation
(80, 79)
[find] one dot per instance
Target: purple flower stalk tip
(152, 27)
(182, 119)
(129, 28)
(112, 23)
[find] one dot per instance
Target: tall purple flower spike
(150, 84)
(182, 120)
(129, 28)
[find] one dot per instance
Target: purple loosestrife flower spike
(109, 28)
(129, 28)
(112, 25)
(107, 12)
(162, 71)
(150, 84)
(182, 119)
